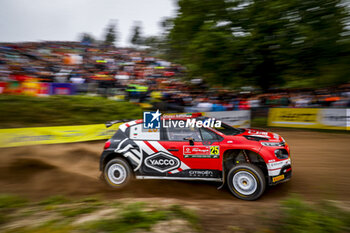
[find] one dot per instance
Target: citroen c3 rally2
(247, 160)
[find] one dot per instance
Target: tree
(86, 38)
(111, 35)
(136, 38)
(265, 43)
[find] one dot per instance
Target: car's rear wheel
(246, 181)
(117, 173)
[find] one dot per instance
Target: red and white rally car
(245, 159)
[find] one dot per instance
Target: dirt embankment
(320, 171)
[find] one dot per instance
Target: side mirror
(190, 140)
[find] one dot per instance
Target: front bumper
(284, 175)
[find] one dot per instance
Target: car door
(146, 151)
(155, 160)
(199, 158)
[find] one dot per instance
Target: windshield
(228, 130)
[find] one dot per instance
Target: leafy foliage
(262, 42)
(87, 38)
(136, 38)
(111, 35)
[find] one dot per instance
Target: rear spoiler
(110, 123)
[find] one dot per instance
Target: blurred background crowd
(72, 68)
(227, 55)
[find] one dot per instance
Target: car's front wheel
(117, 173)
(246, 181)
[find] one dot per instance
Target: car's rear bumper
(104, 154)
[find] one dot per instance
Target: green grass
(132, 217)
(50, 226)
(54, 200)
(62, 215)
(11, 201)
(186, 214)
(27, 111)
(91, 199)
(293, 216)
(3, 218)
(300, 217)
(75, 211)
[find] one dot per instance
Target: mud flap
(221, 186)
(223, 180)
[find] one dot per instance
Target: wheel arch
(108, 157)
(232, 157)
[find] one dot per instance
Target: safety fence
(316, 118)
(80, 133)
(54, 134)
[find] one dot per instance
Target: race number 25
(214, 150)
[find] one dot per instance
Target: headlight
(281, 153)
(272, 143)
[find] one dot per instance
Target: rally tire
(246, 181)
(117, 173)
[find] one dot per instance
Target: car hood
(262, 134)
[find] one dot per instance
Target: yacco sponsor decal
(201, 151)
(151, 147)
(162, 162)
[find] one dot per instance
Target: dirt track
(320, 171)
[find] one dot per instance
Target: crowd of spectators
(128, 74)
(93, 68)
(222, 100)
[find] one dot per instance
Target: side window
(137, 132)
(178, 134)
(208, 135)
